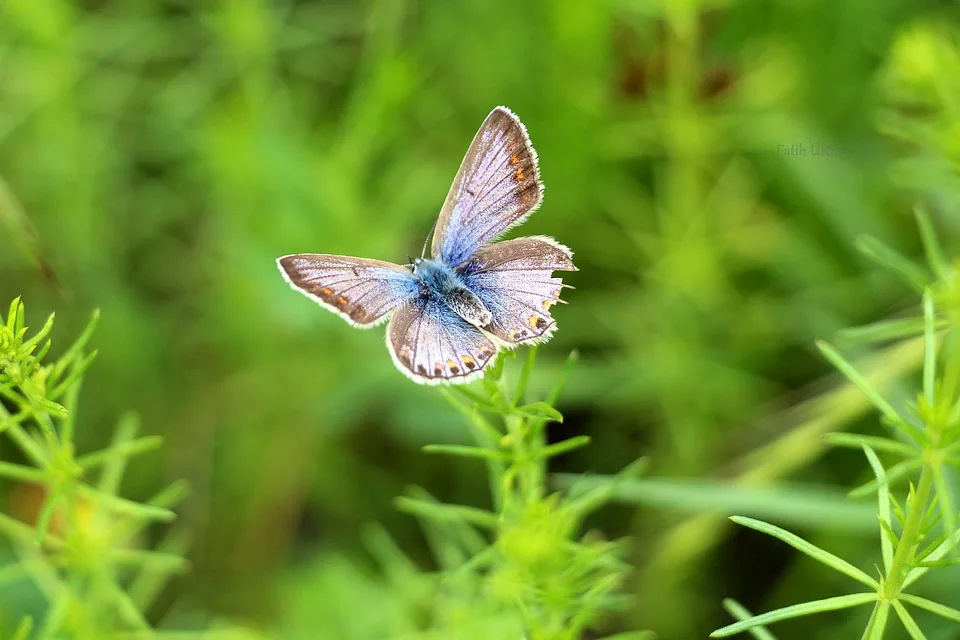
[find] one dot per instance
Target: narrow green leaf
(886, 257)
(40, 335)
(466, 451)
(800, 505)
(934, 607)
(932, 564)
(448, 512)
(888, 531)
(46, 516)
(945, 499)
(540, 410)
(885, 330)
(796, 611)
(897, 510)
(76, 373)
(123, 506)
(124, 449)
(938, 264)
(739, 612)
(521, 389)
(470, 395)
(929, 348)
(561, 380)
(12, 313)
(565, 446)
(23, 629)
(858, 380)
(883, 502)
(813, 551)
(20, 472)
(856, 441)
(632, 635)
(171, 496)
(911, 431)
(149, 581)
(908, 622)
(587, 501)
(156, 560)
(878, 621)
(76, 348)
(893, 474)
(112, 473)
(124, 605)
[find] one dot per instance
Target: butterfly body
(451, 313)
(445, 284)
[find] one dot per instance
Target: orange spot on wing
(470, 362)
(342, 300)
(518, 174)
(514, 159)
(325, 291)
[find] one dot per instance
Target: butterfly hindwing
(497, 187)
(514, 280)
(363, 292)
(432, 344)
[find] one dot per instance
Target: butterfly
(449, 314)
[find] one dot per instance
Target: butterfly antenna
(423, 254)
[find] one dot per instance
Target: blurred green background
(157, 156)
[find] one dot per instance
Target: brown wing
(498, 186)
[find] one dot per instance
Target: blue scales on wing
(432, 344)
(514, 280)
(497, 187)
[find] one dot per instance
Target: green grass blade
(929, 349)
(524, 380)
(811, 550)
(892, 475)
(884, 331)
(799, 505)
(448, 512)
(856, 441)
(857, 379)
(883, 503)
(938, 264)
(933, 607)
(740, 613)
(796, 611)
(886, 257)
(570, 444)
(464, 451)
(124, 449)
(878, 621)
(945, 498)
(23, 629)
(908, 622)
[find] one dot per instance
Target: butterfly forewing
(361, 291)
(497, 186)
(432, 344)
(514, 280)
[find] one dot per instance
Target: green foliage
(921, 534)
(525, 560)
(84, 548)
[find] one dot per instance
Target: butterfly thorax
(443, 283)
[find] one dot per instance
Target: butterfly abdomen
(445, 285)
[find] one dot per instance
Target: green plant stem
(909, 537)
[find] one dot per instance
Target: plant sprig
(921, 534)
(525, 557)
